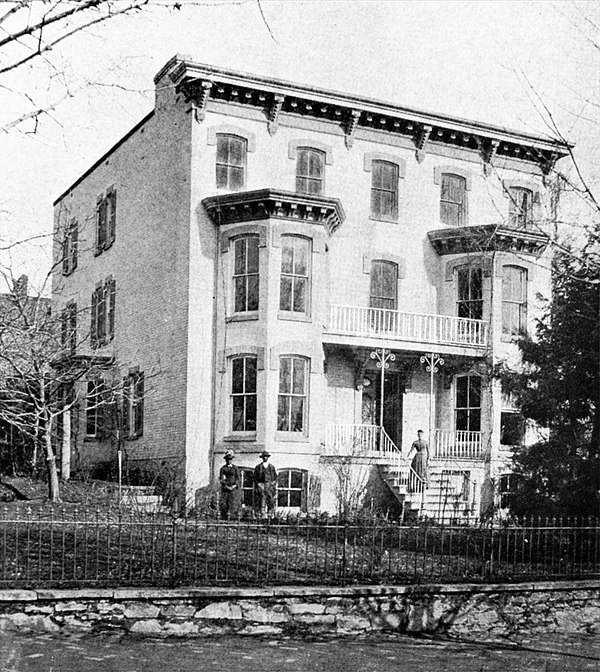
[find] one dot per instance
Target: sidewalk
(44, 653)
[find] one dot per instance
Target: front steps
(447, 496)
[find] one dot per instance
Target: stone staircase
(142, 498)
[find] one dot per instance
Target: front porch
(348, 440)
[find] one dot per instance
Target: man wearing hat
(229, 478)
(265, 485)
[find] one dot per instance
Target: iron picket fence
(73, 546)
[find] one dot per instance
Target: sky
(504, 62)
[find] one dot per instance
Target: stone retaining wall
(459, 610)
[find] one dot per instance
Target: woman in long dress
(420, 461)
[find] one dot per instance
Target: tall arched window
(514, 300)
(310, 171)
(453, 200)
(231, 161)
(245, 274)
(294, 290)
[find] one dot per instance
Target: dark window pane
(300, 256)
(240, 294)
(285, 297)
(285, 375)
(237, 376)
(237, 423)
(222, 177)
(295, 498)
(462, 391)
(252, 292)
(236, 151)
(299, 376)
(474, 391)
(287, 255)
(475, 420)
(236, 181)
(250, 413)
(252, 244)
(462, 422)
(297, 414)
(296, 479)
(299, 295)
(240, 256)
(250, 375)
(283, 414)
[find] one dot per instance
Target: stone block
(28, 622)
(138, 610)
(306, 608)
(390, 620)
(72, 622)
(255, 612)
(178, 611)
(315, 620)
(260, 630)
(221, 610)
(70, 606)
(180, 629)
(18, 595)
(349, 624)
(149, 627)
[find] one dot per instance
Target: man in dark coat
(229, 477)
(265, 485)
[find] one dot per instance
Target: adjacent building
(274, 266)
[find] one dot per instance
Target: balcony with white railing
(348, 440)
(457, 445)
(416, 328)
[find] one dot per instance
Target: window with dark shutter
(94, 339)
(106, 221)
(133, 405)
(514, 300)
(110, 293)
(520, 202)
(384, 189)
(231, 162)
(95, 402)
(310, 171)
(453, 200)
(384, 285)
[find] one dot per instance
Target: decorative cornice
(247, 206)
(487, 149)
(487, 238)
(274, 110)
(353, 113)
(422, 135)
(196, 93)
(350, 127)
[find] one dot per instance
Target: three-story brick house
(254, 253)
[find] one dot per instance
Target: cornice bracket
(196, 94)
(421, 138)
(547, 163)
(487, 149)
(274, 111)
(350, 126)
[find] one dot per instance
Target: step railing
(457, 444)
(417, 327)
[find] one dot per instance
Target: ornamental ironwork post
(383, 358)
(432, 362)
